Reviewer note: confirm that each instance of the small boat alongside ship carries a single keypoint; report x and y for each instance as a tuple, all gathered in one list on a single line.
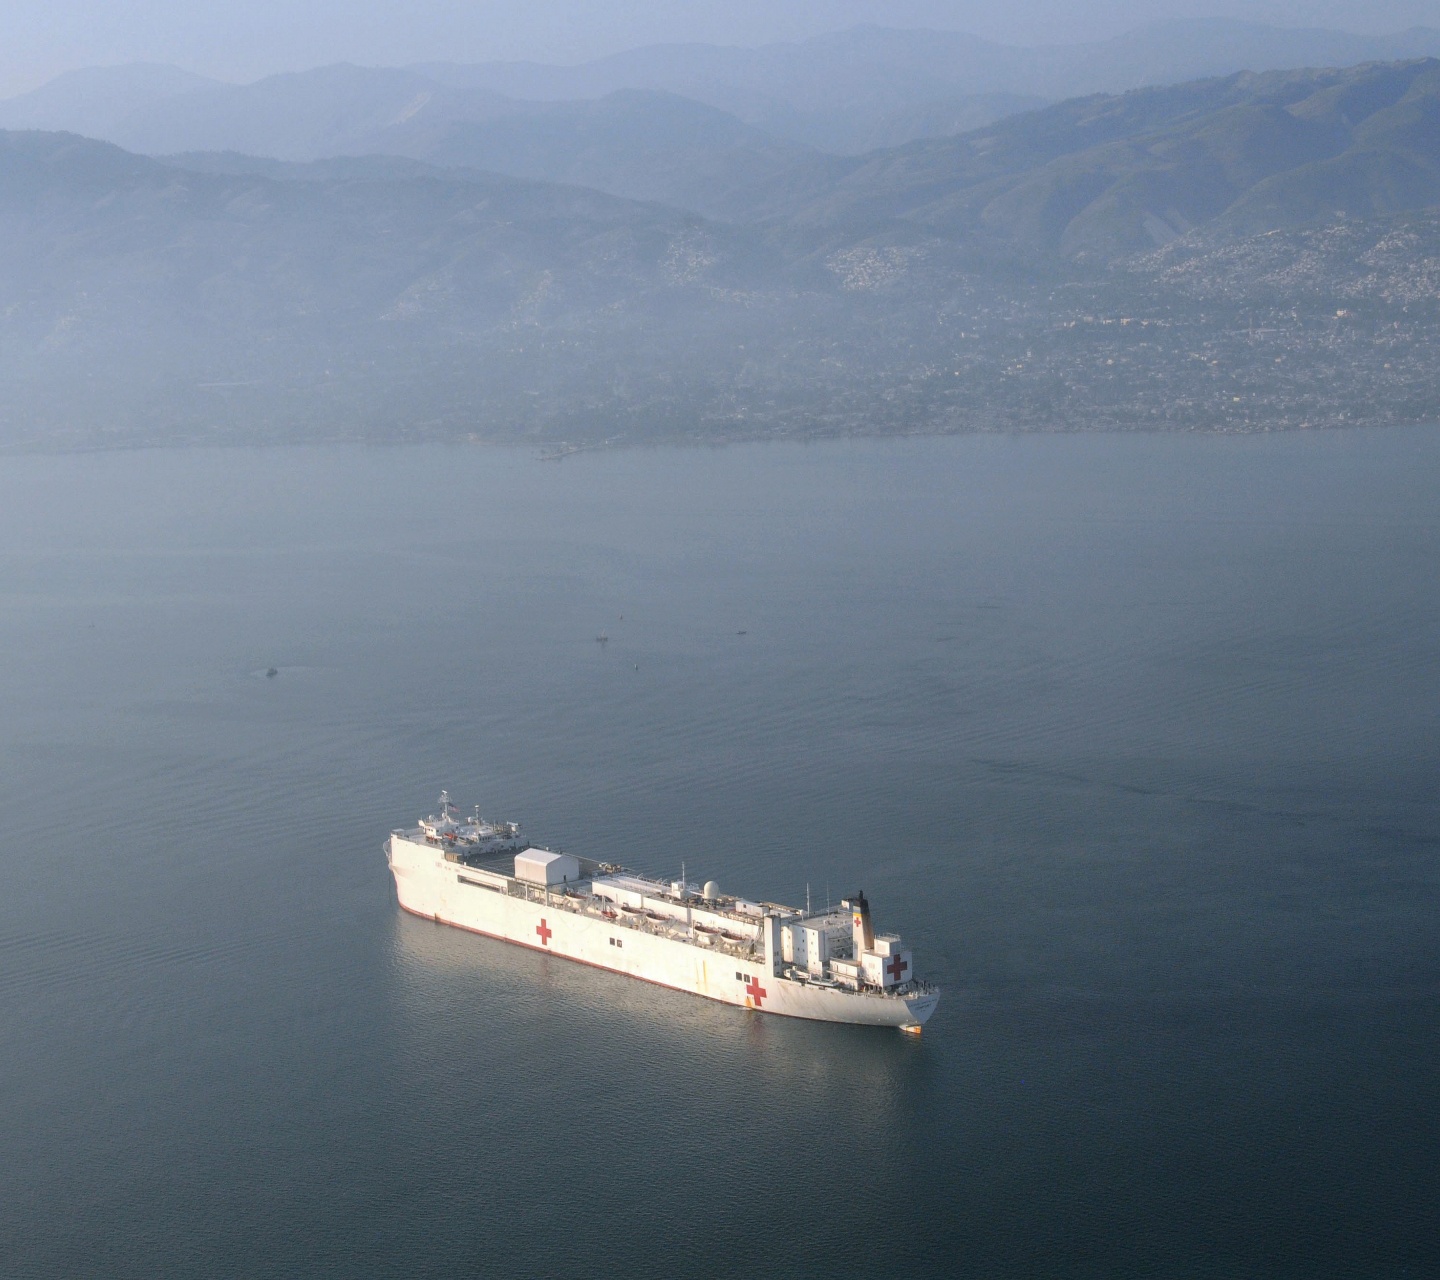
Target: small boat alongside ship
[(826, 965)]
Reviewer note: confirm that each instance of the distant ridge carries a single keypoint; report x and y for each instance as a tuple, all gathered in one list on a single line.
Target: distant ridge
[(640, 144), (1236, 253), (95, 101), (847, 92), (836, 91), (1106, 175), (335, 110)]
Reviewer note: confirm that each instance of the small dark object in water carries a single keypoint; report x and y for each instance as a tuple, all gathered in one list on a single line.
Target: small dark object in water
[(742, 633), (272, 673)]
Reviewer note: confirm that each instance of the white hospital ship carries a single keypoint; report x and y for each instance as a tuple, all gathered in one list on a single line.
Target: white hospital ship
[(829, 965)]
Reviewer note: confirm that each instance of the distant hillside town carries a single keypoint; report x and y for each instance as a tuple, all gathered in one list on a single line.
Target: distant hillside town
[(792, 242)]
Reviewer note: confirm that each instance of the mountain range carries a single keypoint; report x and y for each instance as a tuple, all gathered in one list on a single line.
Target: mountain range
[(1108, 175), (840, 92), (846, 93), (138, 293), (1098, 175), (727, 282)]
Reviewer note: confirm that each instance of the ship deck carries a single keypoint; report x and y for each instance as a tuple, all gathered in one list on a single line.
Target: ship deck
[(578, 896)]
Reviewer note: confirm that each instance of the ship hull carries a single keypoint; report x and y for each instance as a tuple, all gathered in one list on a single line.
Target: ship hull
[(428, 885)]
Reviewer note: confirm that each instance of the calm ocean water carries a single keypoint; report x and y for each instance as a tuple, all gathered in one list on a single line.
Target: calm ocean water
[(1135, 739)]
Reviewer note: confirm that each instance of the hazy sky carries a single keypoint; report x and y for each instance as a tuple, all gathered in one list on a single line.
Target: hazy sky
[(245, 39)]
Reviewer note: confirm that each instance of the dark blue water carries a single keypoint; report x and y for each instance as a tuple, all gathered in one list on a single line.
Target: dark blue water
[(1135, 740)]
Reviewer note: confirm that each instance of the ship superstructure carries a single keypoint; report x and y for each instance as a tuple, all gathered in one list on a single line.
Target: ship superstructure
[(829, 965)]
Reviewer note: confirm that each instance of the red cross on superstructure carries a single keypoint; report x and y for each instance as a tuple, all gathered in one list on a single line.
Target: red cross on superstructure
[(544, 930), (897, 966), (755, 991)]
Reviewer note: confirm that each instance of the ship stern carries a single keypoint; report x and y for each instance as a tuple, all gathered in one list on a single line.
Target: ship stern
[(919, 1007)]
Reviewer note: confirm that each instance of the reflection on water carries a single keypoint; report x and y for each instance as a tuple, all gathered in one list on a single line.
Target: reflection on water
[(1132, 739), (453, 990)]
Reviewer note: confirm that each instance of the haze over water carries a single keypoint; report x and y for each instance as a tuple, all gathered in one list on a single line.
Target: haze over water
[(1132, 737)]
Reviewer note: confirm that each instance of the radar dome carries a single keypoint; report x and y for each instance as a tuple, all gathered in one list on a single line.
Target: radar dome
[(712, 890)]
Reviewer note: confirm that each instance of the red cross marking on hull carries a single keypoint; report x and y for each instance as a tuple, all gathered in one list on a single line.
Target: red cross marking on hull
[(544, 930), (897, 966), (755, 991)]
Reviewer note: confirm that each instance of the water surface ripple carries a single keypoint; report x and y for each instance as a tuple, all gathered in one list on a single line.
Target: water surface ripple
[(1134, 738)]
